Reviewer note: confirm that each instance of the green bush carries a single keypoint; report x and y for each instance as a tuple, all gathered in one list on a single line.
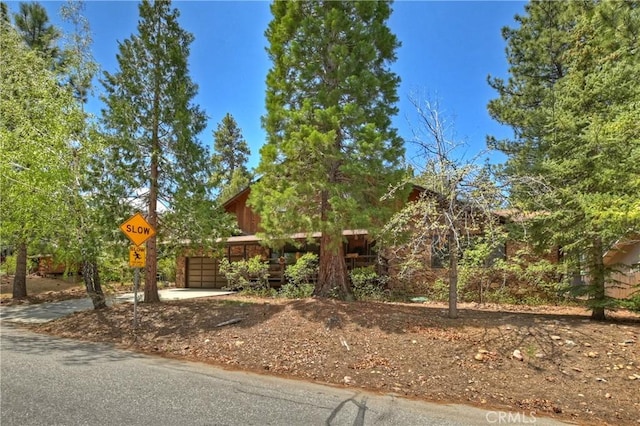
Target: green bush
[(632, 303), (9, 266), (304, 271), (367, 284), (440, 291), (250, 275), (524, 278), (296, 291), (114, 268), (167, 269), (300, 277)]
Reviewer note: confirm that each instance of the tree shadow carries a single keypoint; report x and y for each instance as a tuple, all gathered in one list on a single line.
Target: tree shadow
[(70, 352)]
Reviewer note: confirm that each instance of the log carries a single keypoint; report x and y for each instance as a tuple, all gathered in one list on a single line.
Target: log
[(231, 321)]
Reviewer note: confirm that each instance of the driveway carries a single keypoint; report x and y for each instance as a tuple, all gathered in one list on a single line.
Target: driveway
[(45, 312)]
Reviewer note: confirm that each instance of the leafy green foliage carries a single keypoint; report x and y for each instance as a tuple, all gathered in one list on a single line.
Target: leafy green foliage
[(331, 151), (296, 291), (633, 303), (9, 265), (525, 278), (248, 275), (32, 22), (167, 268), (39, 120), (304, 271), (367, 284), (300, 277)]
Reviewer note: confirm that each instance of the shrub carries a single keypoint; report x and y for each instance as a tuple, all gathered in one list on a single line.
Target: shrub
[(10, 265), (114, 268), (250, 275), (167, 269), (304, 271), (367, 284), (296, 291), (632, 303), (523, 278), (440, 291)]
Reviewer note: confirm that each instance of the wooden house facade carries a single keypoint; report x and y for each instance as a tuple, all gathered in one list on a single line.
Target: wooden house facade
[(201, 270)]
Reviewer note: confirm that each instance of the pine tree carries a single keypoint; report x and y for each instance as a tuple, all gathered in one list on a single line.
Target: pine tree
[(331, 151), (32, 22), (231, 153), (152, 120), (573, 104)]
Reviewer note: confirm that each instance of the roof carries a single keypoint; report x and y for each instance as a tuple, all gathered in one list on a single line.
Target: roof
[(298, 236), (621, 246)]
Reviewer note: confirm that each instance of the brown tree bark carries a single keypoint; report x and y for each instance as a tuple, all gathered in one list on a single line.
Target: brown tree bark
[(453, 276), (20, 278), (333, 278), (151, 274), (598, 281), (332, 269), (91, 279), (151, 271)]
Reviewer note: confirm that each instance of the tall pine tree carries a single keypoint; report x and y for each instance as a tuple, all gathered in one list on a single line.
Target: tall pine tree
[(153, 123), (573, 103), (331, 150), (32, 22), (229, 159)]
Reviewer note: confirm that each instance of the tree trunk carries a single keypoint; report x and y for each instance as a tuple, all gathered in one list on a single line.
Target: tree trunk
[(150, 278), (20, 278), (453, 276), (151, 275), (91, 278), (598, 282), (332, 270), (332, 274)]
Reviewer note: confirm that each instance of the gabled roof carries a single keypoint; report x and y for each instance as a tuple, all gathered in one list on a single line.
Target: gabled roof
[(238, 195)]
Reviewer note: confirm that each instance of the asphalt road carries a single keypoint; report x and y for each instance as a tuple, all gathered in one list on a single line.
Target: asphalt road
[(51, 381)]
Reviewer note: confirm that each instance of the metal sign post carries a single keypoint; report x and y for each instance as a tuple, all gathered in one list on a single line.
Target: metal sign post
[(137, 260), (136, 283), (138, 230)]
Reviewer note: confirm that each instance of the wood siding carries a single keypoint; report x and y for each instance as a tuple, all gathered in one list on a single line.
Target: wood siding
[(248, 221)]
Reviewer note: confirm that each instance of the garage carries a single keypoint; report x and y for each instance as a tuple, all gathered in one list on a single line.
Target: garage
[(202, 272)]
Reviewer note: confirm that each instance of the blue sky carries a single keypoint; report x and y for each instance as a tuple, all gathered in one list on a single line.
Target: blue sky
[(448, 49)]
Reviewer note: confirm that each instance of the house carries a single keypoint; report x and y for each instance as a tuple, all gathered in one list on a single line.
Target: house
[(201, 269), (624, 260)]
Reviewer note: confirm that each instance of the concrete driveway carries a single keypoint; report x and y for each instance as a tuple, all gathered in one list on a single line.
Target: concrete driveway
[(45, 312)]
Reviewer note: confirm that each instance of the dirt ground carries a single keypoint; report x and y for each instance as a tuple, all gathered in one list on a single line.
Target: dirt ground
[(41, 289), (549, 361)]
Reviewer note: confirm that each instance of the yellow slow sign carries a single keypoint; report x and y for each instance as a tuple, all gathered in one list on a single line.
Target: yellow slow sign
[(137, 229)]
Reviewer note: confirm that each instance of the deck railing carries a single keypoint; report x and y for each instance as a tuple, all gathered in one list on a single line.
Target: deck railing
[(276, 269)]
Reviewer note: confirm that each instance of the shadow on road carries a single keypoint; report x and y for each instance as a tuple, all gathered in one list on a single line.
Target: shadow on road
[(71, 352)]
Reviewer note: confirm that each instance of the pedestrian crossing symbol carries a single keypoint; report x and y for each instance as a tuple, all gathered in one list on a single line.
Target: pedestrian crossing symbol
[(137, 256)]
